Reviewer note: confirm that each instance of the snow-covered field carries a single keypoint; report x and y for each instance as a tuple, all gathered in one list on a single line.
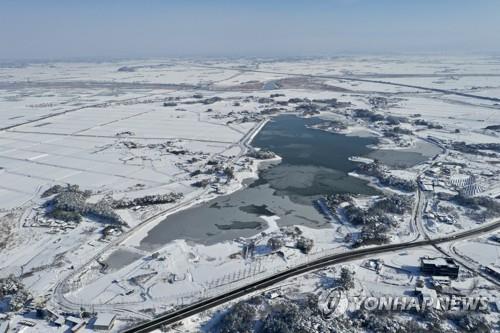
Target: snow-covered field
[(132, 129)]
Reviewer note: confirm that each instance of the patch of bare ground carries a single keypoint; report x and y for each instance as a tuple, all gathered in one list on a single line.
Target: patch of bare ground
[(7, 223)]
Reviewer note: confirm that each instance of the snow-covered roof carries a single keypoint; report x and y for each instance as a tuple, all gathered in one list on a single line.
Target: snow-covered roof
[(4, 326), (438, 261), (493, 269), (440, 278), (74, 320), (104, 319)]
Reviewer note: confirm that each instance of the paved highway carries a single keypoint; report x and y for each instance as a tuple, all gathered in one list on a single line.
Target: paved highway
[(356, 79), (206, 304)]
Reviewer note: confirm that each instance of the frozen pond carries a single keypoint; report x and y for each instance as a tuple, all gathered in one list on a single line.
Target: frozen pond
[(121, 258), (406, 158), (314, 163)]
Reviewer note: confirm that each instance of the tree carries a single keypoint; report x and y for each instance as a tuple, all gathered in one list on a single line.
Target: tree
[(238, 319), (346, 279), (304, 244), (229, 172), (275, 243)]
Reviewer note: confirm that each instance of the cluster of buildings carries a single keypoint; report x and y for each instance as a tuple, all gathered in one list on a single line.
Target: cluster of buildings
[(67, 322), (445, 177), (441, 217), (101, 322), (451, 178), (54, 225), (442, 270)]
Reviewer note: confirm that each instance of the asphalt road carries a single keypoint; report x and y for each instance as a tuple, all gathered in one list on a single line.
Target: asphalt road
[(360, 79), (175, 316)]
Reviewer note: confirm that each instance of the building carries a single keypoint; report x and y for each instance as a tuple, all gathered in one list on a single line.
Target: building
[(58, 321), (426, 185), (74, 323), (438, 281), (493, 271), (4, 326), (104, 321), (495, 238), (439, 267)]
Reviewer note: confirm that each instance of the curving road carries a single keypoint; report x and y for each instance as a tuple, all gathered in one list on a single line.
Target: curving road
[(209, 303), (61, 286)]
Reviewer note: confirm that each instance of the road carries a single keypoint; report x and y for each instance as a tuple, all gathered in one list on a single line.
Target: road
[(55, 114), (422, 231), (195, 308), (421, 196), (357, 79), (61, 286)]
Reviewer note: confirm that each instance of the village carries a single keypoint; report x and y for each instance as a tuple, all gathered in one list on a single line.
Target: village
[(83, 191)]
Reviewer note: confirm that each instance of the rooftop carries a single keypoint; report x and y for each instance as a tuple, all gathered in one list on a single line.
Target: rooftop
[(104, 319), (440, 261), (493, 269)]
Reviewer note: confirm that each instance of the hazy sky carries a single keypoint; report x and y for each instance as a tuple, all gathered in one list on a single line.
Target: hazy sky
[(148, 28)]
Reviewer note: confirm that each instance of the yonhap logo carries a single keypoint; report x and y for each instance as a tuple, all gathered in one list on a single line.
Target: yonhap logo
[(336, 302), (333, 303)]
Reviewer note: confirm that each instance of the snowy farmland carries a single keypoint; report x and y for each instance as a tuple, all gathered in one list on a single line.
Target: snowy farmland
[(143, 140)]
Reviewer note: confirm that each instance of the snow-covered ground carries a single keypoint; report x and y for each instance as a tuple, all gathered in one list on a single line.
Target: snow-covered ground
[(130, 129)]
